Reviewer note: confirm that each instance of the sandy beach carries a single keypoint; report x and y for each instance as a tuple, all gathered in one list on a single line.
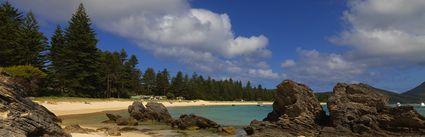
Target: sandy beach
[(73, 108)]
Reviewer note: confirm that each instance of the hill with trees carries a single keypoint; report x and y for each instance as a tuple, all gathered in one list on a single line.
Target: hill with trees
[(418, 91)]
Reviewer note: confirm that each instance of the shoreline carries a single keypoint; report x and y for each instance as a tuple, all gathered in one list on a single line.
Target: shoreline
[(75, 108), (69, 110)]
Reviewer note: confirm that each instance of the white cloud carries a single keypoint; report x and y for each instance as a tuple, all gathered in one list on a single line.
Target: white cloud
[(288, 63), (313, 66), (391, 31), (198, 38), (264, 73), (382, 36)]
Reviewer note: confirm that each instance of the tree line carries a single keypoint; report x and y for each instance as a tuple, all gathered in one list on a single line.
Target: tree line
[(75, 67)]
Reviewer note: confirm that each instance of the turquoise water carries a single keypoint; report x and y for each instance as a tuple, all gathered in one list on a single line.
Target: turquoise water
[(239, 115), (225, 115)]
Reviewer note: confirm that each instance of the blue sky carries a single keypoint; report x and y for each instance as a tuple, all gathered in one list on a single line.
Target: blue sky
[(319, 43)]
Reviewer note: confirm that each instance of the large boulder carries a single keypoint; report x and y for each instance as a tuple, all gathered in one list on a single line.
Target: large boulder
[(296, 111), (20, 117), (361, 110), (152, 111), (355, 110), (193, 122)]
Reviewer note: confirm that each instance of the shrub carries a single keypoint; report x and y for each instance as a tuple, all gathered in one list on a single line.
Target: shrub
[(28, 77)]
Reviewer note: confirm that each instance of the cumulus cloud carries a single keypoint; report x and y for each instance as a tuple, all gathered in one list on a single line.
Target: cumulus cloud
[(288, 63), (391, 31), (382, 36), (198, 38), (313, 66), (264, 73)]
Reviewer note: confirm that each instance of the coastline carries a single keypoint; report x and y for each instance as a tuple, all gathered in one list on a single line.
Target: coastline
[(64, 109), (73, 108)]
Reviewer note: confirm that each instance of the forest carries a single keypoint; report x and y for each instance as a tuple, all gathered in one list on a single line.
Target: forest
[(70, 64)]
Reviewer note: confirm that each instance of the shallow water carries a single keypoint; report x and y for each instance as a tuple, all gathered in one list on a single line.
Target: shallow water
[(237, 116)]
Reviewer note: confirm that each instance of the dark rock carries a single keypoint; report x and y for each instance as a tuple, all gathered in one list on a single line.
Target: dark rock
[(113, 117), (193, 121), (20, 117), (157, 111), (137, 110), (296, 112), (127, 121), (77, 129), (359, 109), (152, 111), (356, 110)]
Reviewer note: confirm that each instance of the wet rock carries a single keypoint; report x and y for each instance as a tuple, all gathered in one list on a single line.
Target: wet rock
[(296, 112), (113, 117), (152, 111), (193, 121), (136, 110), (127, 121), (20, 117), (77, 129)]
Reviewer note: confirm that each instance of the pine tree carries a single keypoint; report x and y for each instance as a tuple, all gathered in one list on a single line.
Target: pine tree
[(134, 79), (10, 21), (149, 81), (33, 43), (177, 84), (82, 56), (56, 55), (162, 82)]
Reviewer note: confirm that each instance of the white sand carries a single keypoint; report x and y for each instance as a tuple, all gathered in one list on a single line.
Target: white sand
[(70, 108)]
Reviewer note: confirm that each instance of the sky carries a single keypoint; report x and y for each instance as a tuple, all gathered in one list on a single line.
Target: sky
[(319, 43)]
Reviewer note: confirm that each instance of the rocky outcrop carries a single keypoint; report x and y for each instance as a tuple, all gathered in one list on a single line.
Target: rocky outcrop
[(296, 111), (152, 111), (360, 110), (20, 117), (193, 122), (355, 110), (119, 120), (127, 121)]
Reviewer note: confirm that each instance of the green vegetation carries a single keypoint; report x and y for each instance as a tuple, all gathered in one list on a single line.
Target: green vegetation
[(28, 76), (71, 65)]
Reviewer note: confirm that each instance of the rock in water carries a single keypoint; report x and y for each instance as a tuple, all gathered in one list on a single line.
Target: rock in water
[(20, 117), (127, 121), (361, 110), (113, 117), (296, 111), (137, 110), (193, 121), (356, 110), (152, 111), (157, 111), (356, 107)]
